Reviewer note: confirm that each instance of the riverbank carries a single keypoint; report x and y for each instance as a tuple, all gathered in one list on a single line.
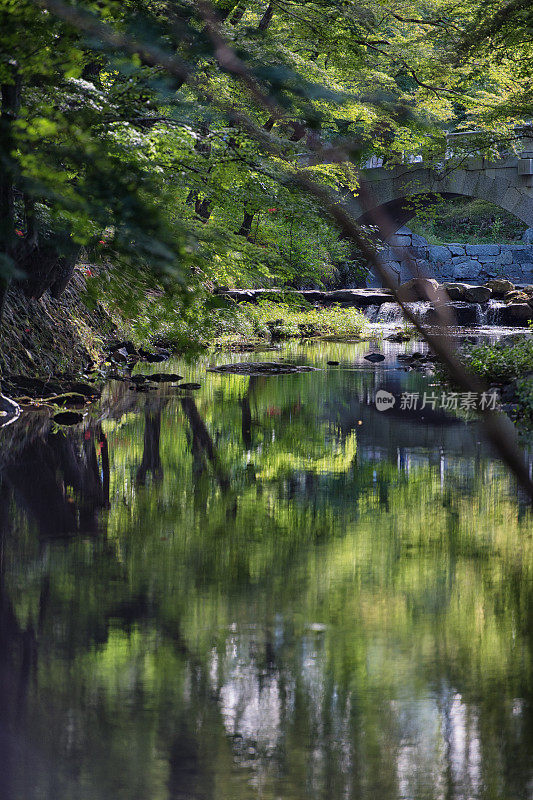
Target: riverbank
[(509, 368), (65, 339), (47, 336), (497, 302)]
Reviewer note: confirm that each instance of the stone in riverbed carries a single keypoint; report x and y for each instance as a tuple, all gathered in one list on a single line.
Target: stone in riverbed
[(128, 346), (164, 377), (499, 286), (464, 313), (465, 291), (374, 358), (477, 294), (84, 389), (455, 291), (68, 418), (357, 298), (418, 289), (366, 297), (516, 296), (120, 355), (517, 312), (313, 295), (154, 358), (8, 408), (261, 368)]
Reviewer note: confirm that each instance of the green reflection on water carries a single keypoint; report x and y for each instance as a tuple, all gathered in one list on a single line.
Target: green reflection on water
[(282, 593)]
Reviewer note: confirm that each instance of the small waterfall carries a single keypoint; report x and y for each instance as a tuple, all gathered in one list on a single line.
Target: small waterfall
[(489, 313), (419, 309), (493, 312), (391, 313), (371, 313)]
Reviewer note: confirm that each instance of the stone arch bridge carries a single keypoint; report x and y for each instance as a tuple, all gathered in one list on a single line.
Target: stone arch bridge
[(399, 191), (507, 183)]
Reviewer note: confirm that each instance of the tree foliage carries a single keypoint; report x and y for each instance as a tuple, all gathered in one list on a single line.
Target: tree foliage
[(160, 137)]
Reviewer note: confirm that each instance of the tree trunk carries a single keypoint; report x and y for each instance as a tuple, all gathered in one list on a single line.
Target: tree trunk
[(202, 208), (298, 131), (246, 227), (266, 19), (238, 13), (9, 107)]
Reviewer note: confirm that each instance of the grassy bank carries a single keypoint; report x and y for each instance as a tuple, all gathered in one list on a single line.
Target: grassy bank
[(45, 336), (268, 321)]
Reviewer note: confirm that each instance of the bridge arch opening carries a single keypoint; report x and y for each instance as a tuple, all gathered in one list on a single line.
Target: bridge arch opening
[(454, 237)]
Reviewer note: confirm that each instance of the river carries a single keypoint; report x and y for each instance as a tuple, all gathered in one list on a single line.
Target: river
[(264, 588)]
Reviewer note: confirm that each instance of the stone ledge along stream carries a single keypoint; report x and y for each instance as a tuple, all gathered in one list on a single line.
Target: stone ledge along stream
[(379, 306)]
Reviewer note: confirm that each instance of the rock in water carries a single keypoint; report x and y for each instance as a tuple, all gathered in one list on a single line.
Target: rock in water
[(120, 355), (9, 410), (333, 363), (516, 296), (190, 386), (417, 289), (68, 418), (375, 357), (154, 358), (517, 312), (261, 368), (456, 291), (164, 377), (399, 336), (499, 286), (84, 389), (477, 294)]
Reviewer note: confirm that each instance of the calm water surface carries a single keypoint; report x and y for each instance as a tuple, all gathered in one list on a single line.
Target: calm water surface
[(267, 589)]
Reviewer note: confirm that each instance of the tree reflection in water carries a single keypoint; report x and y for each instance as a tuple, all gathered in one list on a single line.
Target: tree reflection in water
[(248, 594)]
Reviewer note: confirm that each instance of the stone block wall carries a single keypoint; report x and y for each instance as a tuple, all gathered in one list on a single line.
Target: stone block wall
[(470, 263)]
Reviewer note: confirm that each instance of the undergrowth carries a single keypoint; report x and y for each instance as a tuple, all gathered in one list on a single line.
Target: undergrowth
[(501, 363), (269, 321), (509, 365)]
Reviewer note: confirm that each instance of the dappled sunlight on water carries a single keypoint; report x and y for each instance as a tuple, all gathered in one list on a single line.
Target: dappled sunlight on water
[(264, 589)]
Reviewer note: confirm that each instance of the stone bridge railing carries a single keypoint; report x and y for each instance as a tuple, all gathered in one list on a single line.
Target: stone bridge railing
[(467, 145)]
